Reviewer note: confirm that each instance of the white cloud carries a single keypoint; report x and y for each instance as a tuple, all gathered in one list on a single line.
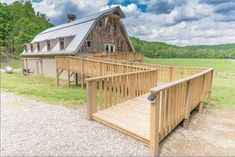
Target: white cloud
[(189, 24), (58, 10), (186, 22)]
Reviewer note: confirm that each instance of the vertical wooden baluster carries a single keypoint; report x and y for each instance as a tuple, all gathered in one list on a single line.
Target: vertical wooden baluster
[(110, 91), (105, 93), (101, 94)]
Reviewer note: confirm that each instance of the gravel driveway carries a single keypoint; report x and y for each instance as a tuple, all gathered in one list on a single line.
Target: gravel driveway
[(31, 128), (34, 128)]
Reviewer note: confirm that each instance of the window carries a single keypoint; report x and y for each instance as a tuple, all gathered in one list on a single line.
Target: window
[(109, 47), (31, 47), (100, 23), (25, 48), (106, 48), (62, 44), (48, 45), (108, 28), (88, 43), (38, 47)]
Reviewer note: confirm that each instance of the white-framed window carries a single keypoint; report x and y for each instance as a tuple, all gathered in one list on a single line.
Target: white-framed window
[(38, 47), (48, 45), (61, 40), (31, 47), (109, 47)]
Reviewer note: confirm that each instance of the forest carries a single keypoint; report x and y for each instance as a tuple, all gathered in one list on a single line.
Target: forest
[(163, 50), (19, 24)]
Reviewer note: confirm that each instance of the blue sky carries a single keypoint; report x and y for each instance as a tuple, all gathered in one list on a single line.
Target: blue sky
[(180, 22)]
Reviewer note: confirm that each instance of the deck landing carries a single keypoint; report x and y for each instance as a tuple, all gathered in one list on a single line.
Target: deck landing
[(131, 117)]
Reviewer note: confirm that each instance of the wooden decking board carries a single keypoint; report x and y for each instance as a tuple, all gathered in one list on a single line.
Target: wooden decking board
[(128, 111), (134, 120), (123, 125), (131, 117), (145, 141), (133, 108)]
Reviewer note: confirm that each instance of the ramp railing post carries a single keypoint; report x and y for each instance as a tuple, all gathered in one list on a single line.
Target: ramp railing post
[(91, 98), (209, 94), (202, 94), (187, 104), (154, 123)]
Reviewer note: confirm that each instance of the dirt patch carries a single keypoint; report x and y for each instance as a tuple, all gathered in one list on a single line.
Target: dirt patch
[(211, 133)]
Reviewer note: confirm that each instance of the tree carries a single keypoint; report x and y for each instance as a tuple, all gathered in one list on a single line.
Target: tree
[(18, 25)]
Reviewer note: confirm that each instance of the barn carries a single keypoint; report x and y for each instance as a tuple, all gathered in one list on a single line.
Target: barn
[(102, 32)]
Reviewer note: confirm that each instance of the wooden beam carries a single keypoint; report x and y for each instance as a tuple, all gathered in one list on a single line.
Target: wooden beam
[(57, 77), (209, 94), (91, 99), (154, 125), (202, 94), (188, 104), (76, 79), (58, 73), (69, 78)]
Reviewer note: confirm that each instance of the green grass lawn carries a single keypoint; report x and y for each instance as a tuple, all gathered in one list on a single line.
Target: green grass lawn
[(220, 65), (42, 88), (223, 92), (15, 63)]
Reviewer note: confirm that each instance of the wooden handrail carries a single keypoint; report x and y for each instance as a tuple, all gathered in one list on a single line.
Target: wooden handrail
[(107, 91), (115, 75), (133, 56), (174, 102), (173, 83)]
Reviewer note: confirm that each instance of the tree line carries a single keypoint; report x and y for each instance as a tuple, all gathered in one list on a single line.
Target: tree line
[(163, 50)]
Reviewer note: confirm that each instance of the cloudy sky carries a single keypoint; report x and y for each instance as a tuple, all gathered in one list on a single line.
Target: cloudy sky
[(180, 22)]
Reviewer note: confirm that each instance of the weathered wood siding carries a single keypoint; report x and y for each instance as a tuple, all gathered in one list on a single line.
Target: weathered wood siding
[(100, 36)]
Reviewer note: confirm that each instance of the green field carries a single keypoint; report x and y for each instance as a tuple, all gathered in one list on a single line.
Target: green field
[(223, 92), (220, 65), (42, 88)]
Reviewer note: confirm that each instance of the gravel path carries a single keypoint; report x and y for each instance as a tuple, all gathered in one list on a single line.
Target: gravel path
[(31, 128), (34, 128)]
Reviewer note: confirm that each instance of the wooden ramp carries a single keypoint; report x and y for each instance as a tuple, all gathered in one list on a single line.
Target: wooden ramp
[(131, 117)]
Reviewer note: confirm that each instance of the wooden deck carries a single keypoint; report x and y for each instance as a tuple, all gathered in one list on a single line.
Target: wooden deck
[(131, 117), (117, 94)]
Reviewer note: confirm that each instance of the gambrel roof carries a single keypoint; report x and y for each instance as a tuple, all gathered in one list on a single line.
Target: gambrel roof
[(78, 29)]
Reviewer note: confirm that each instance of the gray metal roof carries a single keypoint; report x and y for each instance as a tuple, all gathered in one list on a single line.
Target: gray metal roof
[(80, 29)]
